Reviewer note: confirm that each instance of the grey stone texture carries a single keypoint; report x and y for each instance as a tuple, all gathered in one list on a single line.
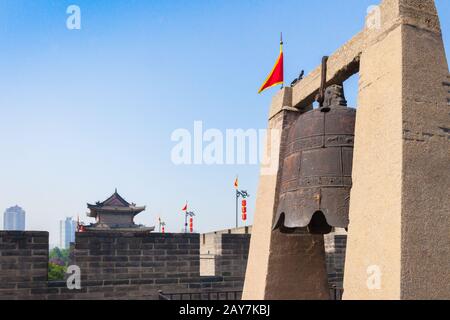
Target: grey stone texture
[(117, 265)]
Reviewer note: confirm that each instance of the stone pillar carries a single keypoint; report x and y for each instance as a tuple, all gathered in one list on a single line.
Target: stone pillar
[(400, 204), (281, 266)]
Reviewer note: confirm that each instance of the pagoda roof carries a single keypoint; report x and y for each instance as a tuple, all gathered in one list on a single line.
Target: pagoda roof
[(115, 203)]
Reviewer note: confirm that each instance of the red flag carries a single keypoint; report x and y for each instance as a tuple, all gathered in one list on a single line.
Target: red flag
[(236, 183), (276, 76), (185, 207)]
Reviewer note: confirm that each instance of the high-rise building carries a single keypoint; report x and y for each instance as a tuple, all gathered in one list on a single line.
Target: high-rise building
[(67, 230), (61, 234), (14, 219)]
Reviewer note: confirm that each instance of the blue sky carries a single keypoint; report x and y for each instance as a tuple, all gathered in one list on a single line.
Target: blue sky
[(86, 111)]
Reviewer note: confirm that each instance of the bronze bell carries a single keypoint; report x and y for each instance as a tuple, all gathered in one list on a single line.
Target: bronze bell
[(317, 168)]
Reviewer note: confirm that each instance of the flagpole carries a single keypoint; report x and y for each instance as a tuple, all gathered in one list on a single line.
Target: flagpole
[(185, 216), (281, 48), (239, 193), (236, 186), (237, 209)]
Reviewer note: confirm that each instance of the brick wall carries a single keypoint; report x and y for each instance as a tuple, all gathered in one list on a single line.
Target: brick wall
[(208, 250), (130, 261), (231, 261), (23, 263), (137, 265), (211, 248), (120, 266), (335, 245)]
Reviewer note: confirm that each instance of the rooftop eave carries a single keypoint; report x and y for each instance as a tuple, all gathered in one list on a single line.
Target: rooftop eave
[(134, 210)]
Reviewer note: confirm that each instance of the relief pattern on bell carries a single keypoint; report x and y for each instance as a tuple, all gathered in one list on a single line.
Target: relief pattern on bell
[(317, 168)]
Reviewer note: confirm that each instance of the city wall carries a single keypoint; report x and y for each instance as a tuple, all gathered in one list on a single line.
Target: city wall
[(138, 265), (120, 265)]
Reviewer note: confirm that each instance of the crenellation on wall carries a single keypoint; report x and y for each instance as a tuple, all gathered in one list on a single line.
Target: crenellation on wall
[(232, 262), (118, 265), (211, 246), (128, 266), (23, 260)]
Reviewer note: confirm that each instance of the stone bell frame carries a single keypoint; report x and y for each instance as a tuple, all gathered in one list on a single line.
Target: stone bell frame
[(398, 239)]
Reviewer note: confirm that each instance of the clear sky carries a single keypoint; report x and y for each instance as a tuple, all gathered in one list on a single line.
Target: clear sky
[(86, 111)]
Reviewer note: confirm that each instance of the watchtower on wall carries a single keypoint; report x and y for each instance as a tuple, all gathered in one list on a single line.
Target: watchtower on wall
[(115, 214)]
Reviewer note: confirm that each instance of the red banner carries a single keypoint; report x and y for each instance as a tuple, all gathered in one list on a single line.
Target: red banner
[(276, 76)]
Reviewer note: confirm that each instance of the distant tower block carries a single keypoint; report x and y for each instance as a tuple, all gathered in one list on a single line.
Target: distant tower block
[(14, 219), (399, 242)]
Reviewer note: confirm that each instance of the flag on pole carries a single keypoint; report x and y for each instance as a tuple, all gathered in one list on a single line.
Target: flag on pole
[(236, 183), (276, 76), (185, 207)]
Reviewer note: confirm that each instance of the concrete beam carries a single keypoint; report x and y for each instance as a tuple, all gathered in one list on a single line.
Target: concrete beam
[(341, 65)]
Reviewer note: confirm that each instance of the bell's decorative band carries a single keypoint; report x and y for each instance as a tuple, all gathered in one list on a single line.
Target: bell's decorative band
[(317, 168)]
